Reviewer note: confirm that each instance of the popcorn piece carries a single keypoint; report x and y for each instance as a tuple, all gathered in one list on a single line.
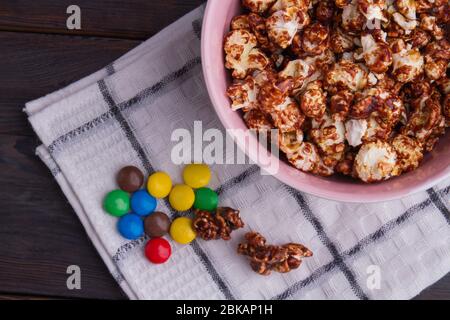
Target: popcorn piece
[(426, 116), (340, 42), (446, 109), (437, 58), (373, 9), (435, 69), (355, 130), (329, 134), (302, 5), (305, 158), (375, 161), (436, 133), (407, 62), (315, 39), (407, 8), (298, 71), (419, 38), (244, 94), (257, 120), (287, 115), (274, 93), (258, 26), (282, 25), (241, 54), (342, 3), (345, 75), (426, 5), (258, 6), (346, 165), (406, 15), (352, 18), (409, 153), (385, 104), (428, 23), (313, 101), (377, 54), (290, 141), (325, 11), (340, 103), (240, 22)]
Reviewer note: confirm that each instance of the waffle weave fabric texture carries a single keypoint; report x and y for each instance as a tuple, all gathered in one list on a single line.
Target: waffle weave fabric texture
[(125, 113)]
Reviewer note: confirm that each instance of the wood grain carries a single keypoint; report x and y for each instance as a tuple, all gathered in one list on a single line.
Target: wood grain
[(33, 65), (40, 234), (131, 19)]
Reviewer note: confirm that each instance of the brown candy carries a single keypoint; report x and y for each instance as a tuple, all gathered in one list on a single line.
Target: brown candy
[(157, 224), (130, 179)]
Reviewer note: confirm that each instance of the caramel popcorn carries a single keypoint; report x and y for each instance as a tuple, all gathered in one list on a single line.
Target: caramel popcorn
[(345, 75), (409, 153), (313, 101), (290, 141), (258, 6), (377, 54), (284, 24), (258, 120), (407, 63), (219, 225), (375, 161), (266, 258), (242, 54), (244, 94), (354, 87)]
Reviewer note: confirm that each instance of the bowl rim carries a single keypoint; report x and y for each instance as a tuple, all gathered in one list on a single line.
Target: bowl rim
[(284, 178)]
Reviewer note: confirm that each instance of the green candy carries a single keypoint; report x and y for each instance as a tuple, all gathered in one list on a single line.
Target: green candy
[(117, 203), (206, 199)]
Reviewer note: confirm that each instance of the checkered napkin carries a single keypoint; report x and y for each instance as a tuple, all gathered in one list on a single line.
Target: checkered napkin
[(125, 114)]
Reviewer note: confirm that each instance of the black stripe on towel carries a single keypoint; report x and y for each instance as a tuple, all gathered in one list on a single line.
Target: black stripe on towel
[(361, 245), (146, 163), (338, 259), (439, 204), (145, 94)]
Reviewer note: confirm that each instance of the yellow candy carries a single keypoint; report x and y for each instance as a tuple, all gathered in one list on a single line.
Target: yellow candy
[(181, 230), (159, 185), (196, 175), (181, 197)]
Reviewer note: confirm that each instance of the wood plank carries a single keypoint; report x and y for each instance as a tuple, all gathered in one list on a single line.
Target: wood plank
[(438, 291), (33, 65), (132, 19), (40, 234)]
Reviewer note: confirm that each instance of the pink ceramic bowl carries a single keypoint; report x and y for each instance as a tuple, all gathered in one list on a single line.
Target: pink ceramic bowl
[(434, 168)]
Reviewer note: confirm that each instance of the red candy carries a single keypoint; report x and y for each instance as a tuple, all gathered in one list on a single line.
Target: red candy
[(158, 250)]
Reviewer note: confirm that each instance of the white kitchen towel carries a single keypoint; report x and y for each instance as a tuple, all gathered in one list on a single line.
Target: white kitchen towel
[(125, 115)]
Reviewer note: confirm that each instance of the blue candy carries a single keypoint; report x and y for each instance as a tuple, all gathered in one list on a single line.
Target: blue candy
[(131, 226), (143, 203)]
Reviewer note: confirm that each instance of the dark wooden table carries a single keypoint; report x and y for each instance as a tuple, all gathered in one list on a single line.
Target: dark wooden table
[(40, 235)]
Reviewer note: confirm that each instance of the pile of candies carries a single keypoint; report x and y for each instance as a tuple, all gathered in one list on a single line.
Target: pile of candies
[(135, 207)]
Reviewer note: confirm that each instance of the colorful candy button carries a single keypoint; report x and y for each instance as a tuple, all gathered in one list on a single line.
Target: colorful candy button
[(196, 175), (182, 231), (159, 185), (130, 179), (206, 199), (157, 224), (143, 203), (117, 203), (158, 250), (181, 197), (131, 226)]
